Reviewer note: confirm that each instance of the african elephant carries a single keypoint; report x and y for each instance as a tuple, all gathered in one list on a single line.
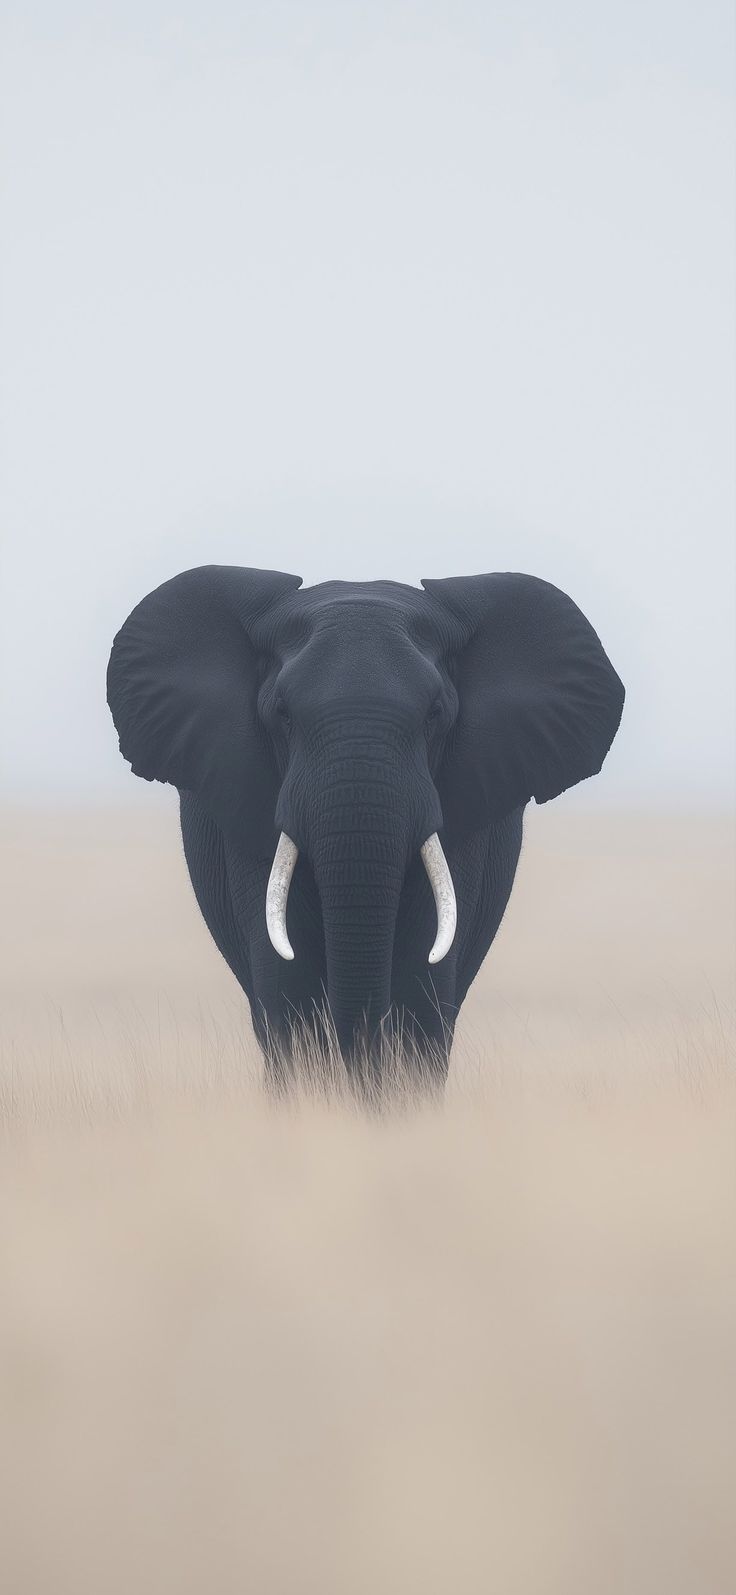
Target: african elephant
[(353, 761)]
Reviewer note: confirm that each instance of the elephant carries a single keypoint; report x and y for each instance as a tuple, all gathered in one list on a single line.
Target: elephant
[(353, 761)]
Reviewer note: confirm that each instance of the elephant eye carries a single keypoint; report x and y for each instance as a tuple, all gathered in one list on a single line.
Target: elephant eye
[(435, 711), (282, 711)]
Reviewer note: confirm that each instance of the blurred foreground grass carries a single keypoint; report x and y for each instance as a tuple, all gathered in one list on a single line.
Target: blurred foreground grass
[(487, 1345)]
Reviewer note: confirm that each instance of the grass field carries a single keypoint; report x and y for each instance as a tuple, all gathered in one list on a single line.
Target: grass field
[(480, 1347)]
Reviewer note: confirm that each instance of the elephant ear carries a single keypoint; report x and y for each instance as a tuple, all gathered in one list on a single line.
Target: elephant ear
[(182, 685), (539, 701)]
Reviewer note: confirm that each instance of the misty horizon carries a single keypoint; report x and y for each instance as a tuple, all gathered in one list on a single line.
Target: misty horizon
[(383, 294)]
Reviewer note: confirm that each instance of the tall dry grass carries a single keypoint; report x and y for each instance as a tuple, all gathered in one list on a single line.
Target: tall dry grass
[(479, 1345)]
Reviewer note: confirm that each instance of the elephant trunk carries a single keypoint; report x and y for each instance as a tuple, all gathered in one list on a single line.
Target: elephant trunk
[(359, 937), (375, 805), (360, 871)]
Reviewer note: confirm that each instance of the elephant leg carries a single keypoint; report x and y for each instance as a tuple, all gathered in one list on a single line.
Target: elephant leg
[(289, 997), (423, 1020), (491, 862), (423, 999), (228, 899), (204, 851)]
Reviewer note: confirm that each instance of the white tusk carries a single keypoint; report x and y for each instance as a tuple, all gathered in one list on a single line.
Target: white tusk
[(443, 891), (277, 895)]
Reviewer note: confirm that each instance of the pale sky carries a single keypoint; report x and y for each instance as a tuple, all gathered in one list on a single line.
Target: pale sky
[(369, 290)]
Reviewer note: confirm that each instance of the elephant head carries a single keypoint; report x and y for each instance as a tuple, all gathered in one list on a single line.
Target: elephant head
[(352, 726)]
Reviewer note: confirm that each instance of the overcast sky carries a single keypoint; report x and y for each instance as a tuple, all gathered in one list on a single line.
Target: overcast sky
[(369, 290)]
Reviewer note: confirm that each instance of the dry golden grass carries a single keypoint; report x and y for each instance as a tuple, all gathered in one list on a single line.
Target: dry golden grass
[(480, 1346)]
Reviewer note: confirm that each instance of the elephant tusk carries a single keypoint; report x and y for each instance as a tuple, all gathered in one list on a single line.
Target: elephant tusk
[(443, 891), (277, 895)]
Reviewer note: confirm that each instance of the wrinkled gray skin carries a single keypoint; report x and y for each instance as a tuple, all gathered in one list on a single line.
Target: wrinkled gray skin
[(359, 719)]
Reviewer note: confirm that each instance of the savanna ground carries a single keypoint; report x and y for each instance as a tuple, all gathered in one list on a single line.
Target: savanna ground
[(486, 1346)]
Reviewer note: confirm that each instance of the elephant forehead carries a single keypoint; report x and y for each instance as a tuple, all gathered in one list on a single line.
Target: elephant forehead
[(366, 616), (397, 594), (358, 650), (376, 611)]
